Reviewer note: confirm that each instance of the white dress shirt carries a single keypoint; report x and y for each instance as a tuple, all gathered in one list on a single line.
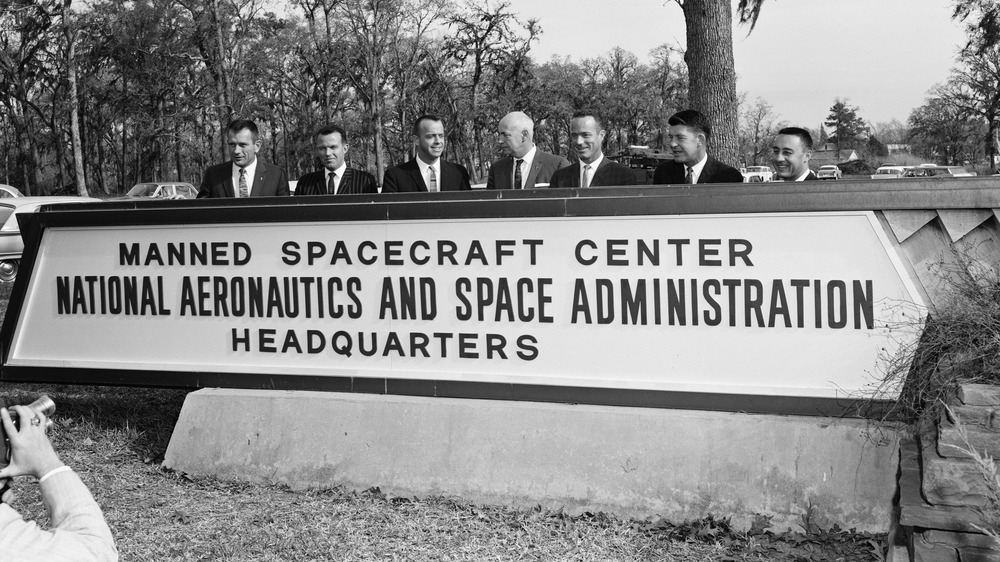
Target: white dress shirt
[(251, 170), (525, 165), (588, 176), (697, 168), (337, 178), (426, 174)]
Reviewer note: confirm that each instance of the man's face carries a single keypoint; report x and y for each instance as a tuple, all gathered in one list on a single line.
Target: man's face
[(331, 150), (430, 140), (516, 141), (587, 138), (789, 157), (242, 147), (686, 144)]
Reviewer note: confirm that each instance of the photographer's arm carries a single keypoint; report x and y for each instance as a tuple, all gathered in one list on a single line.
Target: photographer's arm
[(79, 531)]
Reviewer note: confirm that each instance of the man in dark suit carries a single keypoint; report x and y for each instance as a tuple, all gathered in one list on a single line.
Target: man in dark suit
[(791, 153), (591, 169), (335, 178), (526, 166), (688, 136), (428, 171), (245, 175)]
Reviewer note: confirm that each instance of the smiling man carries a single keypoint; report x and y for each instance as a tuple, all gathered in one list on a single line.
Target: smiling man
[(428, 171), (244, 175), (688, 139), (790, 154), (336, 178), (591, 169)]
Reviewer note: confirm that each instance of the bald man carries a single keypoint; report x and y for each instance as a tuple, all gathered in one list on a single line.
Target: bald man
[(526, 166)]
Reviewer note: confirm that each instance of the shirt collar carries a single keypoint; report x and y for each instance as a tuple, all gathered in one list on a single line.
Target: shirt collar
[(251, 172), (528, 157), (593, 165), (804, 175), (697, 168), (339, 171)]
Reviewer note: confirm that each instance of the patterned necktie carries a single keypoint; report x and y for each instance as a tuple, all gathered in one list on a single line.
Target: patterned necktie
[(689, 177), (244, 190), (585, 181), (331, 185), (517, 174), (433, 185)]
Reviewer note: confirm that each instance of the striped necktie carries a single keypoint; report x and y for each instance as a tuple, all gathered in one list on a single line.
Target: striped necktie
[(433, 184)]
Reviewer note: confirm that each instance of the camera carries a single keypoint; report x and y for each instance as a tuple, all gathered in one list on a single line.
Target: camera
[(44, 404)]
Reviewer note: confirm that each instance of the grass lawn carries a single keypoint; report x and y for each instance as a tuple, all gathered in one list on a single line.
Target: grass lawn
[(115, 437)]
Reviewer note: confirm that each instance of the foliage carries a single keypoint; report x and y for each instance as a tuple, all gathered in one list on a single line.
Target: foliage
[(758, 126), (940, 134), (848, 129), (960, 342), (159, 80)]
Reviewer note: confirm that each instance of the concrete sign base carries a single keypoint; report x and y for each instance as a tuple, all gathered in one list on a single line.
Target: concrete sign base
[(680, 464)]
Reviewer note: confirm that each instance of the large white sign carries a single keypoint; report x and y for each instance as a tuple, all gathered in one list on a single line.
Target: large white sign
[(792, 304)]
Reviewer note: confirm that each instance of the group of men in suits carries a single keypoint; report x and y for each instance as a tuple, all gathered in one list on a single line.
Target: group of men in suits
[(525, 166)]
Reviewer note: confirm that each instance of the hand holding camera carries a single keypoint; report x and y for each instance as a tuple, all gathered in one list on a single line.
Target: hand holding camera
[(25, 446)]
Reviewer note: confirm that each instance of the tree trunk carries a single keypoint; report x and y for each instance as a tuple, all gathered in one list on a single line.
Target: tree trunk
[(74, 100), (712, 72)]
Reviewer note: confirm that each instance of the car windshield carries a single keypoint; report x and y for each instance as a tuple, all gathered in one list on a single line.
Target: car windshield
[(142, 190)]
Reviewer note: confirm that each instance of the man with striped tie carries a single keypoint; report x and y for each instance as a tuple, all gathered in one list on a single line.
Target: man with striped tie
[(336, 178), (428, 171), (244, 175), (688, 139)]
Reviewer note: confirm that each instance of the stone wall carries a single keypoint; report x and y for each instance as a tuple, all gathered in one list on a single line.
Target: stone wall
[(943, 494)]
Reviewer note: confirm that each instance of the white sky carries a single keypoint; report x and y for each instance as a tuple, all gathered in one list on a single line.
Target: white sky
[(882, 55)]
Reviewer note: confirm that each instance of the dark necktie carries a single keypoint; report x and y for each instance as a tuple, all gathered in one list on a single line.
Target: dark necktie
[(517, 174), (244, 190), (331, 185), (689, 177), (433, 186)]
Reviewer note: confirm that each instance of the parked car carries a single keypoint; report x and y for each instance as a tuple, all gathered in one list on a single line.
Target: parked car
[(931, 171), (829, 172), (163, 190), (11, 244), (889, 172), (9, 191), (753, 174)]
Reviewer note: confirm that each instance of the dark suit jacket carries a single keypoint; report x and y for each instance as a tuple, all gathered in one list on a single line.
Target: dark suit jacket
[(501, 174), (811, 176), (270, 181), (713, 172), (353, 182), (608, 174), (406, 178)]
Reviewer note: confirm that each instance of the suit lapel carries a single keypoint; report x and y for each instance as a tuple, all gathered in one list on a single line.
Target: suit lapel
[(258, 180), (536, 166), (227, 182), (416, 177), (345, 183), (599, 173)]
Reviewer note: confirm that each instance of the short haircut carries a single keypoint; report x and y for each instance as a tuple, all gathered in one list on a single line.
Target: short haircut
[(807, 139), (587, 113), (425, 117), (238, 125), (329, 130), (693, 120)]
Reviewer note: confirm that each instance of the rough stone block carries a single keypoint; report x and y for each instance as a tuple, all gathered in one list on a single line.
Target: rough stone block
[(924, 551), (978, 555), (984, 416), (979, 394), (914, 509), (954, 482), (982, 440), (961, 540)]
